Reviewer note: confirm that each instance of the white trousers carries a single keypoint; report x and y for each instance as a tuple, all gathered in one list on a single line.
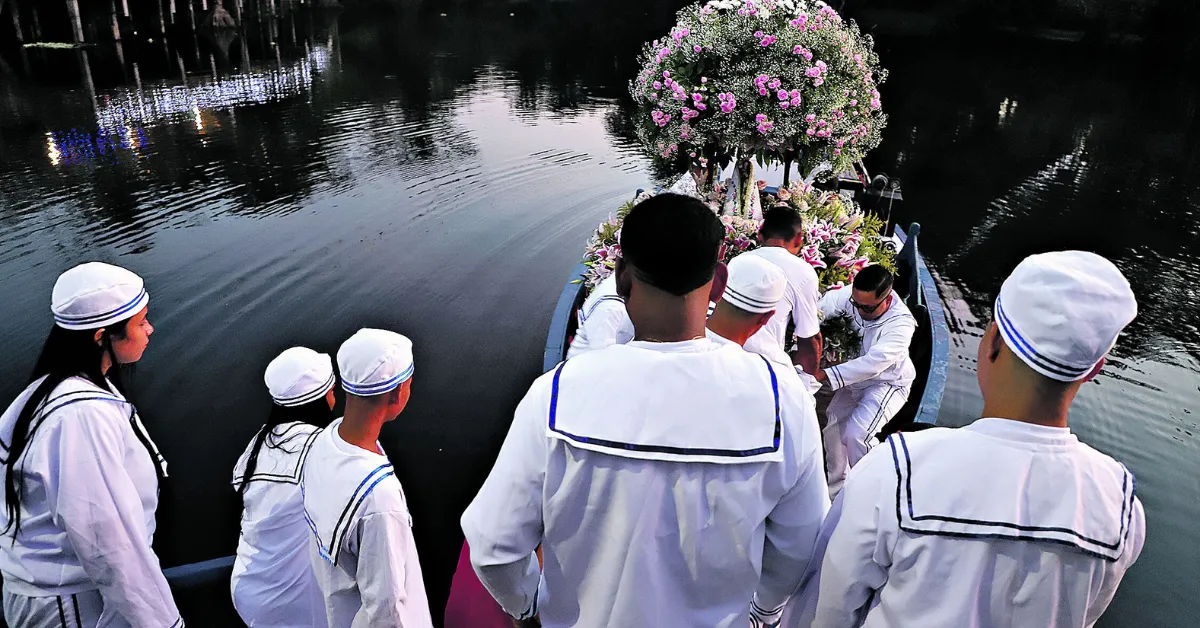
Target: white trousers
[(81, 610), (855, 415)]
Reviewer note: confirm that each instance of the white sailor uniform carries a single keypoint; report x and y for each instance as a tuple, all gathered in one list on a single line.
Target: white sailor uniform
[(871, 388), (90, 476), (998, 524), (695, 488), (273, 583), (362, 546), (603, 320), (800, 298)]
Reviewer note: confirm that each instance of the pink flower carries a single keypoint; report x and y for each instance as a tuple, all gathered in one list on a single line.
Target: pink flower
[(774, 84), (696, 49), (703, 80), (810, 118), (762, 185), (762, 91), (701, 106), (767, 41), (783, 94), (757, 34), (812, 72), (760, 118), (666, 74), (784, 104), (810, 132), (657, 85), (798, 50)]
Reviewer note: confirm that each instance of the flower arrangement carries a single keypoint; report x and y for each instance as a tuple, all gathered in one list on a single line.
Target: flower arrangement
[(841, 341), (774, 80), (840, 239)]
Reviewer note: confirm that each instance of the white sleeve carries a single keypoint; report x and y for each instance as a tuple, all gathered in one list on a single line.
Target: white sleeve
[(832, 303), (382, 550), (805, 309), (503, 525), (1115, 571), (890, 348), (96, 503), (609, 324), (793, 525), (861, 538)]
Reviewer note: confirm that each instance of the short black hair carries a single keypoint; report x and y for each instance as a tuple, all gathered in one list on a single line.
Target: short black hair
[(672, 242), (875, 279), (783, 222)]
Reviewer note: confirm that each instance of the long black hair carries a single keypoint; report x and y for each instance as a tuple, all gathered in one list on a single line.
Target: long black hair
[(67, 353), (316, 412)]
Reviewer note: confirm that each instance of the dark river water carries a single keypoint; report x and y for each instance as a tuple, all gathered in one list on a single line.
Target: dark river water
[(438, 176)]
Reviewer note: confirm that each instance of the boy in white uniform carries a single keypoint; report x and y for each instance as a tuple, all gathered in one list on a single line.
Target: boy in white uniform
[(671, 481), (362, 549), (1010, 521)]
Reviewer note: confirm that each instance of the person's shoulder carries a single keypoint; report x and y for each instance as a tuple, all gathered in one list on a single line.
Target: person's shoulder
[(76, 398), (385, 496)]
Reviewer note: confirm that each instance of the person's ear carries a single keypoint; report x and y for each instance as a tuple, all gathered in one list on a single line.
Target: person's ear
[(764, 318), (1095, 369), (995, 342), (720, 280), (623, 273), (98, 337)]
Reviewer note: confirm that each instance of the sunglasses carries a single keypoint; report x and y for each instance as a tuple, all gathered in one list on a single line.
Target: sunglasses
[(866, 309)]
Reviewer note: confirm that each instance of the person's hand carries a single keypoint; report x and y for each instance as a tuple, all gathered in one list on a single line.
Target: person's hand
[(820, 375)]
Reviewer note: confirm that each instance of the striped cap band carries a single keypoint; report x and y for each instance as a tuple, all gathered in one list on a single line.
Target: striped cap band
[(1029, 354), (103, 319), (306, 397), (378, 388), (747, 303)]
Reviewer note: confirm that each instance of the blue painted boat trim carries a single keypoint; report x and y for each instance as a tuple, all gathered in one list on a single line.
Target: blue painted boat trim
[(556, 337), (939, 358), (198, 574)]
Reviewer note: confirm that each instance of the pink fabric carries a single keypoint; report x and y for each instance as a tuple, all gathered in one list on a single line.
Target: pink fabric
[(470, 605)]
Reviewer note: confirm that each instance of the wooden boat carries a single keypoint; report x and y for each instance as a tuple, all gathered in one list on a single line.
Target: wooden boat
[(930, 349)]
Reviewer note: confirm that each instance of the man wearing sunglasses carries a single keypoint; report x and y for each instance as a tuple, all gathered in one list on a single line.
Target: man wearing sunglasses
[(871, 388)]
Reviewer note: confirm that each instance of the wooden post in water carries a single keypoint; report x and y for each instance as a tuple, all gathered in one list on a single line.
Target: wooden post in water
[(204, 5), (37, 25), (76, 23), (15, 9), (191, 10), (125, 8), (162, 23), (116, 26), (171, 11)]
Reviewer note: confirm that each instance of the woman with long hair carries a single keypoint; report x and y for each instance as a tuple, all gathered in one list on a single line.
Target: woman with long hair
[(273, 582), (81, 475)]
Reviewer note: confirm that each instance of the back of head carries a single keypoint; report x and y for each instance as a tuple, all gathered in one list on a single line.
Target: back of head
[(781, 222), (874, 279), (755, 285), (373, 364), (672, 242), (1061, 313)]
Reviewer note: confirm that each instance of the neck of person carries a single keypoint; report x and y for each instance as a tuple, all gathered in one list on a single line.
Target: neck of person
[(362, 423), (723, 325), (779, 242), (1023, 402), (659, 316)]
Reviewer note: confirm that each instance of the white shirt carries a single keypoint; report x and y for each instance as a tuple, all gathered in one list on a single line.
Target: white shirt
[(87, 515), (273, 583), (603, 320), (885, 343), (652, 477), (799, 302), (998, 524), (361, 548)]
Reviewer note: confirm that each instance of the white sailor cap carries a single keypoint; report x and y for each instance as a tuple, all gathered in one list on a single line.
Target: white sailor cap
[(374, 361), (298, 376), (1061, 312), (95, 295), (755, 285)]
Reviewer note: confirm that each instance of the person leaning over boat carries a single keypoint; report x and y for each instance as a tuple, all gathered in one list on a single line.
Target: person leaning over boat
[(873, 387), (81, 475), (1010, 521), (670, 481), (362, 549), (273, 583), (781, 237)]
